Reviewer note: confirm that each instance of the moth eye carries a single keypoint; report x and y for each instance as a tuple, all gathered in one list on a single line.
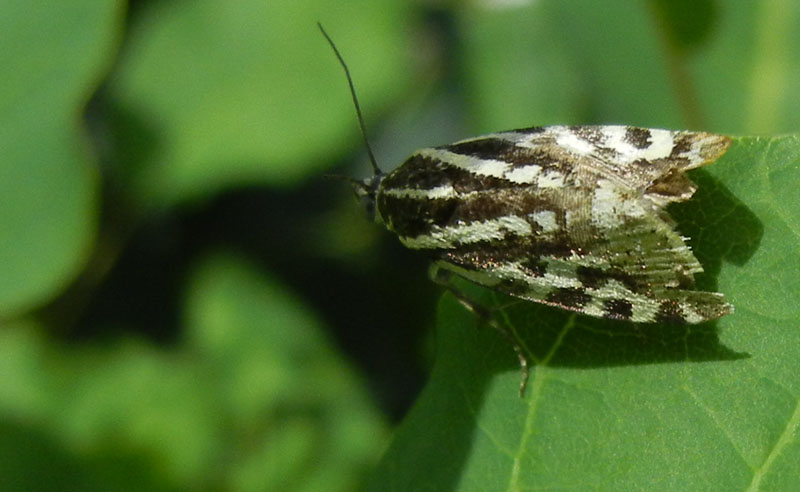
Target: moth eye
[(368, 205)]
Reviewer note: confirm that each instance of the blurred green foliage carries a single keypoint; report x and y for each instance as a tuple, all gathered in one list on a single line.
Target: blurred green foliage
[(170, 261), (252, 399)]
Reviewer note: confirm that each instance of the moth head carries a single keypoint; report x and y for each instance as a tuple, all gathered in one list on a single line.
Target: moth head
[(366, 189), (365, 192)]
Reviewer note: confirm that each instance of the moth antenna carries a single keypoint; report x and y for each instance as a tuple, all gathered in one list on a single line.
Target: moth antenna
[(361, 125), (352, 181)]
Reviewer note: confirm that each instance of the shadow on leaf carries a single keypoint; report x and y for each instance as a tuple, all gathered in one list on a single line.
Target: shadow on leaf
[(720, 227)]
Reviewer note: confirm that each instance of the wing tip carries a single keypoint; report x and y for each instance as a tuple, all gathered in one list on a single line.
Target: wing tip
[(693, 307), (691, 150), (704, 148)]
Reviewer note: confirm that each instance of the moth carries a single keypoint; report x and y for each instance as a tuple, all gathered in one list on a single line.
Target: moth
[(569, 216)]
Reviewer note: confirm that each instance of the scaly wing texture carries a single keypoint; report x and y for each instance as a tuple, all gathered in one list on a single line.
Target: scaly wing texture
[(567, 216)]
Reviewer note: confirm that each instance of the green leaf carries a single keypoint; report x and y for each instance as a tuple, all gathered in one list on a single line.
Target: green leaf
[(253, 398), (53, 56), (618, 406), (218, 94)]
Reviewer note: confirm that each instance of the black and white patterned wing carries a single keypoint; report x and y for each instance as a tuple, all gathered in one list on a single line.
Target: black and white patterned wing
[(568, 216)]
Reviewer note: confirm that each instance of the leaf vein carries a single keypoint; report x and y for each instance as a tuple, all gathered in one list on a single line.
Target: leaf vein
[(716, 421), (786, 437), (536, 391)]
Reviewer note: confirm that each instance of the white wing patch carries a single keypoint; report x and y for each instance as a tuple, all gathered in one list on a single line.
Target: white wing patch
[(546, 219), (572, 142), (482, 167), (661, 144), (524, 174), (452, 236), (610, 209)]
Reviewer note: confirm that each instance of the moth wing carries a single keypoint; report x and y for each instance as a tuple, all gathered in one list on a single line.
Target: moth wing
[(641, 157), (606, 289), (567, 216), (647, 263), (617, 255)]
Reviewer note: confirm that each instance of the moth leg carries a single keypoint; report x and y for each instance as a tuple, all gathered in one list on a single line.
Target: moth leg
[(444, 278)]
